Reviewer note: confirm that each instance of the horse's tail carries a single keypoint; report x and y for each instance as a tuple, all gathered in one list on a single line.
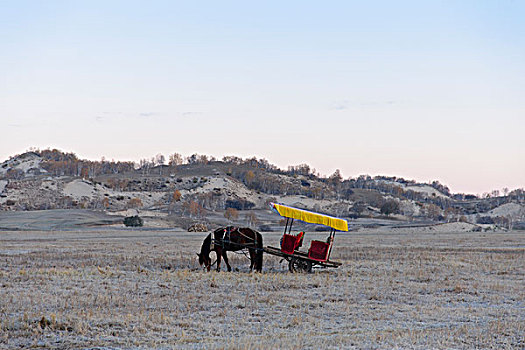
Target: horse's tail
[(259, 253)]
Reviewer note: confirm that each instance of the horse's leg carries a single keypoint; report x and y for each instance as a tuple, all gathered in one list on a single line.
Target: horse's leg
[(219, 253), (225, 256), (252, 258)]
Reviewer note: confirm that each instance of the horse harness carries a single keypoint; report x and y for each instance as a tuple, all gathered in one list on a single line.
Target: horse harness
[(242, 243), (226, 237)]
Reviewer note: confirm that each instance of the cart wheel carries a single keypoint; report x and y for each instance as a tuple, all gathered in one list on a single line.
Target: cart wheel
[(298, 265)]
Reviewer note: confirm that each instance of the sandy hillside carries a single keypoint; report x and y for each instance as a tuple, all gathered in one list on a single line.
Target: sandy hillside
[(79, 189), (24, 163), (230, 187), (429, 190), (304, 202), (82, 188), (508, 209), (421, 188)]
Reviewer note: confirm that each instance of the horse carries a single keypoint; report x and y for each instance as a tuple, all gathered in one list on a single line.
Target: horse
[(232, 239)]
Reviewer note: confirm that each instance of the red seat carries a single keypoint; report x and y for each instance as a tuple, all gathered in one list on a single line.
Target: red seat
[(318, 250), (290, 243)]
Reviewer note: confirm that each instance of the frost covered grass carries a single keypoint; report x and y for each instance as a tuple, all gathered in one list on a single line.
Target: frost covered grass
[(144, 289)]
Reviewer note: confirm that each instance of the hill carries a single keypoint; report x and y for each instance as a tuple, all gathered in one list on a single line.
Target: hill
[(201, 189)]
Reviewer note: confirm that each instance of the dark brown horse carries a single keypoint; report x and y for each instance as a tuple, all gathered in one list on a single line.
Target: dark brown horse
[(232, 239)]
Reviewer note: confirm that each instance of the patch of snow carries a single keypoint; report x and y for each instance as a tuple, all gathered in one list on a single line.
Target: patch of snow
[(127, 212), (3, 184), (429, 190), (456, 227), (304, 202), (140, 212), (489, 227)]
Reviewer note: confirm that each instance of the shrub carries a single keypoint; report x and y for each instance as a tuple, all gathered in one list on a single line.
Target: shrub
[(133, 221), (198, 227), (487, 220), (390, 207), (176, 196), (239, 204), (134, 203), (263, 227)]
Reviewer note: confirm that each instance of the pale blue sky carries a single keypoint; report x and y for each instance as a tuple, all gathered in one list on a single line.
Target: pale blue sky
[(419, 89)]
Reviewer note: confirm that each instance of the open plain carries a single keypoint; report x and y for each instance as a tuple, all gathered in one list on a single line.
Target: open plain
[(117, 288)]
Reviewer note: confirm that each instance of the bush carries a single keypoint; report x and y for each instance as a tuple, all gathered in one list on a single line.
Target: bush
[(264, 228), (134, 203), (390, 207), (347, 194), (485, 220), (239, 204), (519, 226), (133, 221), (198, 227)]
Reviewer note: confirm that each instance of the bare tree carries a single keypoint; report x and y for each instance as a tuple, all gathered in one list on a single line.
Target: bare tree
[(251, 219), (433, 211), (231, 214), (134, 203), (175, 159), (176, 196), (249, 176), (159, 161), (451, 214), (196, 209)]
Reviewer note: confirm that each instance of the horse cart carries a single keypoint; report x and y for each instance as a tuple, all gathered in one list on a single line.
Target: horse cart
[(318, 255)]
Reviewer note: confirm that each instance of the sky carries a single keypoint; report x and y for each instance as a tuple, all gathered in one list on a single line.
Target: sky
[(425, 90)]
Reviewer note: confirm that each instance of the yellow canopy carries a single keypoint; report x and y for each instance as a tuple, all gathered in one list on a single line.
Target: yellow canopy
[(310, 217)]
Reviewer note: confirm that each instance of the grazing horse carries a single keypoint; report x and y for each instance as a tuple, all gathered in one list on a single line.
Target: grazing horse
[(232, 239)]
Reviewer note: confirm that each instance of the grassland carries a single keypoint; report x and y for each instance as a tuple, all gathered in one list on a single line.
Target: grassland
[(144, 289)]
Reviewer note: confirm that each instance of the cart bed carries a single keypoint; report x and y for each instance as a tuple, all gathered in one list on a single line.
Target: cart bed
[(300, 255)]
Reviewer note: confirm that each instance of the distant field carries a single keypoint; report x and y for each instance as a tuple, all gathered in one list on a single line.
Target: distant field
[(143, 288)]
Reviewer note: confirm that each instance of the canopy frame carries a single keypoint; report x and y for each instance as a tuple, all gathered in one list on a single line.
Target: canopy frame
[(288, 220), (309, 217)]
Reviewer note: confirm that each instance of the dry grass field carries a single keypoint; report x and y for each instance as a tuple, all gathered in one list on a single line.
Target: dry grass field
[(144, 289)]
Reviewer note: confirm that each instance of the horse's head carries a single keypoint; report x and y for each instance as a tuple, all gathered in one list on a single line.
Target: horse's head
[(204, 260)]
